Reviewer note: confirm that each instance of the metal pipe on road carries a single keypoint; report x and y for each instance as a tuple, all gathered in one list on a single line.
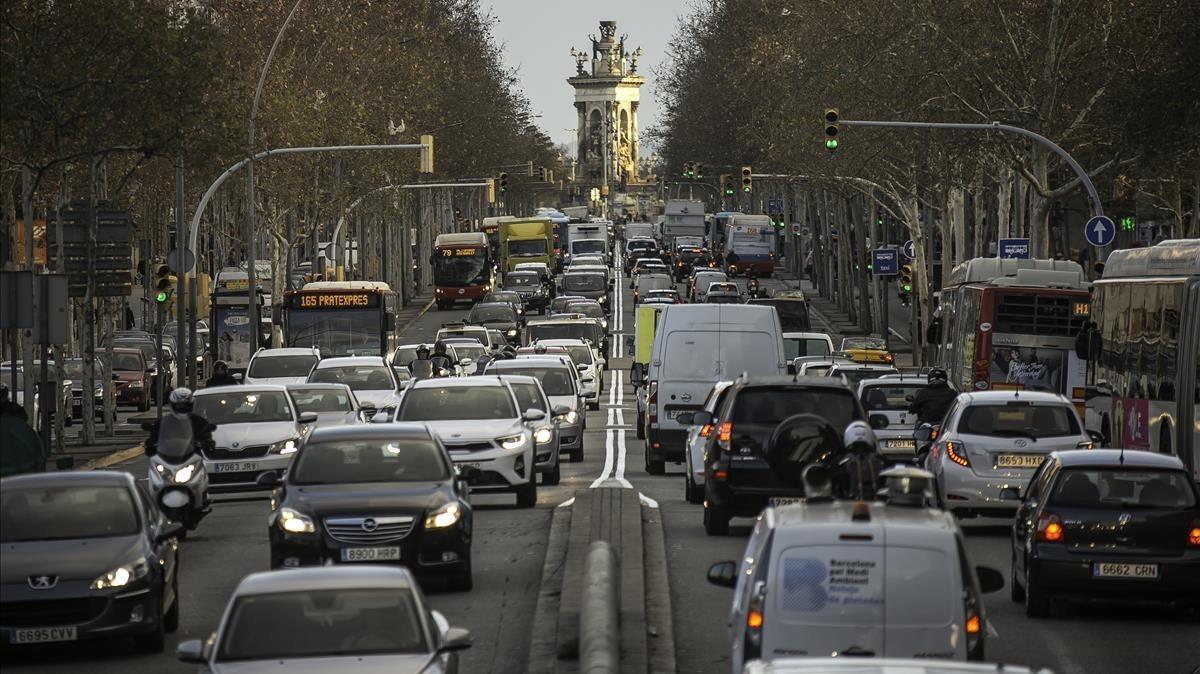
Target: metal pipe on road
[(599, 624)]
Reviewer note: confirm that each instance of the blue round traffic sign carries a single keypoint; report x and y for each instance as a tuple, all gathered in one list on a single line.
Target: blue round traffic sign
[(1100, 230), (907, 250)]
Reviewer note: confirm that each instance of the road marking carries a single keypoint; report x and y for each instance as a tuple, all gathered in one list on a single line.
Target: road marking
[(567, 503), (614, 438), (608, 459), (647, 501), (620, 474)]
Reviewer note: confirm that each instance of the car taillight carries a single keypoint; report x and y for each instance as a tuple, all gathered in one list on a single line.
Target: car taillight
[(754, 621), (1194, 535), (1049, 528), (725, 432), (957, 453), (973, 625), (652, 401), (706, 430)]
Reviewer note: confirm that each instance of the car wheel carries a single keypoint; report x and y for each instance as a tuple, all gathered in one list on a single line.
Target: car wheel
[(527, 495), (553, 476), (693, 492), (171, 619), (462, 580), (1015, 589), (656, 466), (152, 642), (1037, 603), (576, 455), (641, 426), (716, 520), (594, 406)]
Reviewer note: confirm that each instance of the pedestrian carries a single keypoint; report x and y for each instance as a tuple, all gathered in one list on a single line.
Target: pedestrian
[(220, 376), (20, 447)]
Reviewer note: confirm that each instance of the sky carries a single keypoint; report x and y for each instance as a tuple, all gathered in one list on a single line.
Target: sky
[(536, 36)]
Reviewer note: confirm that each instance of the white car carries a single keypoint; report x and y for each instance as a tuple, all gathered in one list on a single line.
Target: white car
[(993, 441), (370, 377), (258, 433), (476, 332), (590, 367), (703, 280), (479, 422), (803, 344), (284, 366), (816, 366), (852, 373), (697, 438), (890, 396)]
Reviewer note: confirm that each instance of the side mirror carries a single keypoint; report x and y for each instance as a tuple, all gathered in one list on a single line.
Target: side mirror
[(533, 414), (455, 639), (686, 418), (169, 530), (908, 398), (878, 421), (1010, 494), (990, 580), (702, 417), (791, 368), (237, 376), (191, 651), (560, 410), (723, 574), (637, 374), (308, 417), (366, 406), (1096, 437)]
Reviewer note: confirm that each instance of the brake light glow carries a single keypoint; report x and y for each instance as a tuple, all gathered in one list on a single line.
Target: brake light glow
[(754, 619), (973, 625), (1049, 528), (1194, 535), (957, 453), (706, 430), (725, 432)]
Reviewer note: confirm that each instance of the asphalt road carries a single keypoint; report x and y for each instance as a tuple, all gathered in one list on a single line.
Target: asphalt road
[(509, 547)]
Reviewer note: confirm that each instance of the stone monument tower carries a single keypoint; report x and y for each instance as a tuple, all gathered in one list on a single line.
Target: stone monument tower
[(606, 100)]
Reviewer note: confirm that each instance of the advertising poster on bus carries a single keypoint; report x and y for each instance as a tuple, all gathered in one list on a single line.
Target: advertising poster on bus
[(233, 336)]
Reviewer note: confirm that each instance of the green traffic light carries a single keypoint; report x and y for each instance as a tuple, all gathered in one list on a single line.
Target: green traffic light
[(1127, 223), (831, 143), (746, 189), (161, 296), (907, 288)]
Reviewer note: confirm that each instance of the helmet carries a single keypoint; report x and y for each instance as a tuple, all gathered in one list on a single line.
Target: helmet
[(440, 348), (220, 365), (937, 374), (423, 352), (181, 400), (858, 437)]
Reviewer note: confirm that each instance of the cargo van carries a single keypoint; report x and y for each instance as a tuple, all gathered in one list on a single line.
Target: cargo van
[(841, 578), (695, 346), (647, 282)]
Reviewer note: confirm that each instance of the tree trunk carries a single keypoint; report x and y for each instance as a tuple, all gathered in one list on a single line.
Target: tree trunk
[(954, 223), (1039, 211), (1004, 196), (981, 231)]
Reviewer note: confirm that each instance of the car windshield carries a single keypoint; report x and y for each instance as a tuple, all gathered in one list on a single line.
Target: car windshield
[(528, 396), (146, 347), (322, 623), (1120, 488), (556, 381), (265, 366), (229, 405), (576, 283), (502, 296), (330, 399), (73, 368), (581, 354), (817, 370), (640, 244), (454, 403), (473, 351), (126, 362), (405, 355), (357, 377), (66, 512), (889, 397), (1019, 419), (588, 246), (523, 280), (871, 343), (382, 460), (502, 313), (588, 309), (478, 334), (803, 346)]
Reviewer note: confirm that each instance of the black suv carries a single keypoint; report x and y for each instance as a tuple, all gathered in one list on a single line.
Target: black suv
[(739, 480)]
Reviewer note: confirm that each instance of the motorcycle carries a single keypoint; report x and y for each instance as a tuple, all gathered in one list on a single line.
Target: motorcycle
[(806, 440), (924, 436), (177, 478), (752, 288)]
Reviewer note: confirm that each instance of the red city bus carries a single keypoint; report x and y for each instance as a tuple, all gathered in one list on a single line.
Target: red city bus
[(1010, 325), (463, 268)]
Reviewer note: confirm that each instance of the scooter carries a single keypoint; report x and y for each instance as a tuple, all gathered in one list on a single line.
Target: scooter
[(177, 478), (752, 288), (924, 436)]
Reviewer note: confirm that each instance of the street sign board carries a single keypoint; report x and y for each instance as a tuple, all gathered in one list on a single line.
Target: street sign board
[(1100, 230), (188, 263), (885, 262), (1012, 249), (907, 250), (111, 258), (16, 309), (51, 326), (774, 206)]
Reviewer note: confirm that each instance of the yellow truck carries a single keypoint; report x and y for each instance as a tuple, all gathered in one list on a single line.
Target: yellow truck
[(526, 240), (645, 320)]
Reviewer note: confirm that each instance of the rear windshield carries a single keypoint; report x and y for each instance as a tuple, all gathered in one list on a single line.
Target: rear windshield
[(583, 282), (452, 403), (584, 331), (704, 355), (556, 381), (1019, 420), (499, 312), (357, 377), (794, 348), (321, 400), (355, 461), (1118, 488), (769, 405), (855, 375), (282, 366), (889, 397), (66, 512)]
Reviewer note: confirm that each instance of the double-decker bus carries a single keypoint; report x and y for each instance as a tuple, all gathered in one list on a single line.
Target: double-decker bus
[(1010, 325), (341, 318), (463, 268), (1143, 343)]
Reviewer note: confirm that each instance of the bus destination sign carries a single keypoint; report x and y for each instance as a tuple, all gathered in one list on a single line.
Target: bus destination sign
[(460, 252), (336, 301)]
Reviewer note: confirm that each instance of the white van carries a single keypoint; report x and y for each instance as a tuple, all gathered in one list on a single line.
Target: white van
[(703, 280), (841, 578), (695, 346), (647, 282)]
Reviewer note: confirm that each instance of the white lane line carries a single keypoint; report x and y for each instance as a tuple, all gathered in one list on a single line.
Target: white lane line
[(620, 474), (567, 503), (610, 417), (618, 387), (620, 416), (608, 459), (646, 500)]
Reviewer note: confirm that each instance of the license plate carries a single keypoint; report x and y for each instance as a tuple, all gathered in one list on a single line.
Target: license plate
[(787, 500), (41, 635), (371, 554), (671, 414), (898, 444), (1019, 460), (1111, 570), (235, 467), (473, 464)]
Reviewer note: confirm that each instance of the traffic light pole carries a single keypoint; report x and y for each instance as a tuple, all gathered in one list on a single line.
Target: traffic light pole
[(1093, 196)]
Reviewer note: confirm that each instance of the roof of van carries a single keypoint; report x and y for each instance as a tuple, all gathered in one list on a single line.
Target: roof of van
[(461, 239), (898, 521), (731, 314)]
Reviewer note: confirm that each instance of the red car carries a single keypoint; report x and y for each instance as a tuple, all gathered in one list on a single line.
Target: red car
[(131, 375)]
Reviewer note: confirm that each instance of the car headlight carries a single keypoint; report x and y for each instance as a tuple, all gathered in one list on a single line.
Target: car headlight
[(511, 333), (604, 324), (543, 435), (603, 299), (295, 522), (122, 575), (570, 417), (288, 446), (136, 383), (512, 441), (446, 516), (185, 473)]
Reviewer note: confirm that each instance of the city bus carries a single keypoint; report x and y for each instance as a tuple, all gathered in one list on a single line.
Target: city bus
[(341, 318), (463, 268), (1142, 343), (231, 338), (716, 231), (750, 245), (1010, 325)]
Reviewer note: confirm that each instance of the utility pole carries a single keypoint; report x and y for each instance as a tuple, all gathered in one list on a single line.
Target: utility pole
[(182, 363)]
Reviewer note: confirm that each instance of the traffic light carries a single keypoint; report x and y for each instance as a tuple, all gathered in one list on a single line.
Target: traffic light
[(699, 171), (164, 284), (689, 169), (503, 183), (725, 182), (905, 286), (541, 174), (1128, 223), (832, 129), (747, 181), (778, 219)]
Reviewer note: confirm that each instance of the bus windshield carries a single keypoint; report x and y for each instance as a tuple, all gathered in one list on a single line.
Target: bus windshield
[(458, 266), (337, 333)]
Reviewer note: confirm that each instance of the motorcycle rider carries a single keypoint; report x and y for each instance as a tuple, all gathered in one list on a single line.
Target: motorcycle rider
[(420, 366), (181, 404), (441, 362), (932, 402), (220, 376), (751, 283), (864, 460)]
